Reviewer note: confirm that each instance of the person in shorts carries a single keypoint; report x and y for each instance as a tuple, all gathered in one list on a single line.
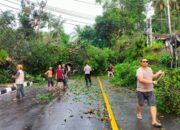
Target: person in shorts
[(65, 72), (59, 78), (49, 74), (110, 70), (145, 90)]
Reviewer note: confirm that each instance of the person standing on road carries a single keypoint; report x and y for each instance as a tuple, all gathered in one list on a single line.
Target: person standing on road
[(145, 90), (110, 70), (87, 70), (59, 78), (49, 74), (19, 81), (65, 71)]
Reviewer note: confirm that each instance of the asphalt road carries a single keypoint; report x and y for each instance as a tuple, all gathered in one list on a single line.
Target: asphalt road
[(79, 108), (123, 103)]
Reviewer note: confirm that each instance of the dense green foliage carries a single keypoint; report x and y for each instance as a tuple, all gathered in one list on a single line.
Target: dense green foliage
[(125, 75), (3, 56), (160, 23), (168, 92)]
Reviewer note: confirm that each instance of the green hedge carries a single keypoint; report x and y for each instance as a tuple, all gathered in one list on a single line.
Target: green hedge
[(125, 74), (5, 76), (3, 56), (168, 92)]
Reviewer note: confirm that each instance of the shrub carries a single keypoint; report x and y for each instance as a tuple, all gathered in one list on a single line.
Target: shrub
[(168, 92), (165, 59), (38, 79), (3, 56), (97, 58), (152, 57), (156, 46), (5, 76), (125, 74)]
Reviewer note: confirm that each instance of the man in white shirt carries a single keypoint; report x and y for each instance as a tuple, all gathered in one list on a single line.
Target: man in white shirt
[(87, 70)]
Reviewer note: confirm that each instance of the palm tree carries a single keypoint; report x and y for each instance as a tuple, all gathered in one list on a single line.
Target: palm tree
[(76, 34), (160, 6), (175, 6), (56, 27)]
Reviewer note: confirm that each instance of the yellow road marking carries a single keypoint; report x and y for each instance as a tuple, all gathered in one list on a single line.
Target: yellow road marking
[(108, 106)]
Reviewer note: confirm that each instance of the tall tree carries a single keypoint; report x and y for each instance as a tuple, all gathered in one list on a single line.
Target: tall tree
[(120, 17), (160, 8)]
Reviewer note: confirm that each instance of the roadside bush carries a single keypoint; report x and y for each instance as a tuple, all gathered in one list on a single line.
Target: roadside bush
[(3, 56), (125, 74), (152, 57), (165, 59), (98, 58), (168, 92), (136, 49), (38, 79), (41, 56), (5, 76), (156, 46)]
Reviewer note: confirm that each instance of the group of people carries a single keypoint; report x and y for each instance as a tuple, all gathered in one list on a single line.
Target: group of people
[(61, 75), (145, 84), (88, 69)]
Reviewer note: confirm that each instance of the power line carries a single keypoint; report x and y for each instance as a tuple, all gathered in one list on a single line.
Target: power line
[(76, 21), (67, 12), (71, 23), (62, 17), (9, 6), (64, 11), (85, 2), (11, 2), (71, 20)]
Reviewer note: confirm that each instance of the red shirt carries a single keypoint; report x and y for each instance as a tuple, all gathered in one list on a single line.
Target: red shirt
[(59, 73)]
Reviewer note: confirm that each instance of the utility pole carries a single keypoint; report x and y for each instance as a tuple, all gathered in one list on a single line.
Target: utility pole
[(150, 20), (173, 46), (147, 31), (169, 18)]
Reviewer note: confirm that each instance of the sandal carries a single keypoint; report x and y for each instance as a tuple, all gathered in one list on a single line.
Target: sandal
[(157, 125)]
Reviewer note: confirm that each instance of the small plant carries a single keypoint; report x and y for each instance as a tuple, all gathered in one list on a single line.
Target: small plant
[(5, 77), (165, 59), (3, 56), (168, 92), (38, 79), (45, 98), (156, 46)]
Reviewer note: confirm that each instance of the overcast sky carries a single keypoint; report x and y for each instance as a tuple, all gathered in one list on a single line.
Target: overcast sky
[(74, 12)]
